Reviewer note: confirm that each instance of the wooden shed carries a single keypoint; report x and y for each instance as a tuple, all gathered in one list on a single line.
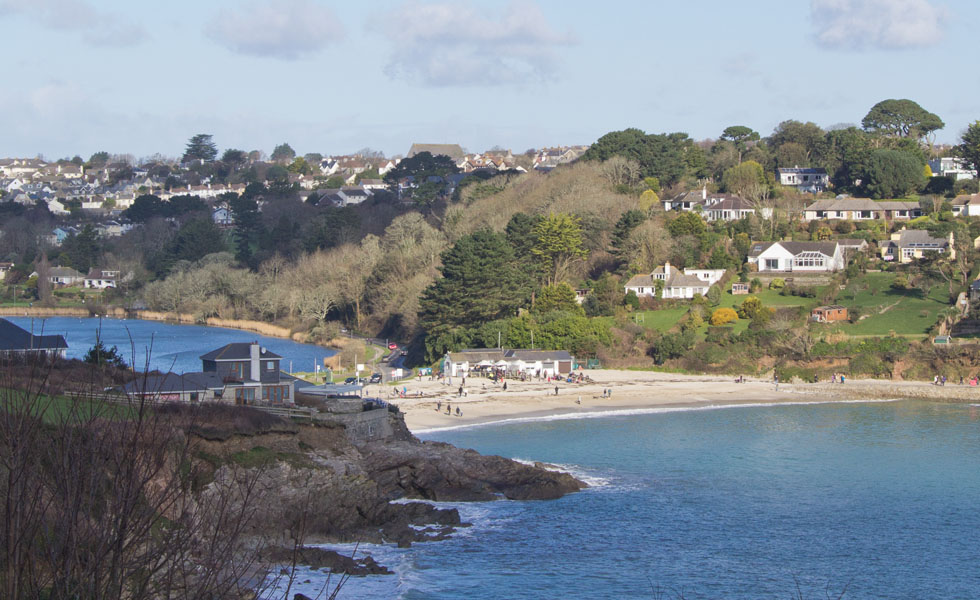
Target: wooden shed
[(829, 314)]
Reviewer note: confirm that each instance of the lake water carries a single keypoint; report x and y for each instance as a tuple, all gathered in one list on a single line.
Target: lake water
[(742, 502), (165, 346)]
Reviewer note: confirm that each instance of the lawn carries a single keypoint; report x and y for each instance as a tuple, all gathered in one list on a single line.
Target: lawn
[(768, 297), (660, 320), (56, 409), (906, 312)]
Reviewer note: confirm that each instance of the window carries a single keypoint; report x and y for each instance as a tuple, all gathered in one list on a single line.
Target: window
[(244, 395), (270, 365), (772, 264)]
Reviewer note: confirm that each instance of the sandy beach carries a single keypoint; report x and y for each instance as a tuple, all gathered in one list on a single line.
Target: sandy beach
[(485, 401)]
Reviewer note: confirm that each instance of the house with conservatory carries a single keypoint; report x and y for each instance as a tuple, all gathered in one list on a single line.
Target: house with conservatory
[(790, 257)]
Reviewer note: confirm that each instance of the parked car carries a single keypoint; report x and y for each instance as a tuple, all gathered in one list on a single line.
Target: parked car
[(353, 381), (393, 346), (375, 378)]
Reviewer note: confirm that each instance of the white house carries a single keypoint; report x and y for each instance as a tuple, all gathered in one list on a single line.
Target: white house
[(222, 217), (531, 362), (676, 283), (966, 206), (804, 179), (949, 166), (714, 207), (788, 257), (101, 279), (65, 276)]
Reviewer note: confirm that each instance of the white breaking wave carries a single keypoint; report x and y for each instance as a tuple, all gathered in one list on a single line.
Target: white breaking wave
[(601, 414), (575, 471)]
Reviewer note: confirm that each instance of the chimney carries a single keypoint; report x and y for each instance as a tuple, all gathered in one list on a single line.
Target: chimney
[(253, 351), (667, 270), (704, 192)]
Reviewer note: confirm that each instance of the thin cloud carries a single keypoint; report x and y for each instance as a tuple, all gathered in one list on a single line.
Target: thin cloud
[(286, 30), (880, 24), (457, 44), (96, 27)]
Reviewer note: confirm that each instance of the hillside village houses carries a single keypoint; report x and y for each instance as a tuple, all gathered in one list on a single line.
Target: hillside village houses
[(790, 257), (676, 283), (910, 244), (966, 206), (861, 209), (805, 179), (714, 206), (948, 166)]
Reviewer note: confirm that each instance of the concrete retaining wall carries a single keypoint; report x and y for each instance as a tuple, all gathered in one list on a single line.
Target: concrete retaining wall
[(368, 426)]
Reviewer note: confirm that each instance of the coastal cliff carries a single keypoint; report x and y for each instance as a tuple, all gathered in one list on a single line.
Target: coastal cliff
[(336, 490)]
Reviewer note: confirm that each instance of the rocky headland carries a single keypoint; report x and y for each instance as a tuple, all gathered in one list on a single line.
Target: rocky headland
[(315, 480)]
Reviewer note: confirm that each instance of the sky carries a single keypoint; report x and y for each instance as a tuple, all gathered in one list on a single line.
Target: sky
[(333, 77)]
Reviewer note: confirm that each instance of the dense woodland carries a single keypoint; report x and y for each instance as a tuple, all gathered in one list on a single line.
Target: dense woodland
[(500, 258)]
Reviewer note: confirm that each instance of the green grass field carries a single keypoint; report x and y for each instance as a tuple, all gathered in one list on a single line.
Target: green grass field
[(58, 409), (660, 320), (909, 312)]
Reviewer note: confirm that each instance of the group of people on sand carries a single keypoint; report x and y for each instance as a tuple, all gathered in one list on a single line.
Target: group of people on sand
[(837, 378), (449, 409)]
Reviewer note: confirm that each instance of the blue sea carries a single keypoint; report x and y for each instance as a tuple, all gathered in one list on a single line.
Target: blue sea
[(876, 500), (164, 346)]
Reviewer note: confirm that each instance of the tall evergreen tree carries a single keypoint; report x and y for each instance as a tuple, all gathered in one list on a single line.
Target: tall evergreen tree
[(201, 147), (480, 282)]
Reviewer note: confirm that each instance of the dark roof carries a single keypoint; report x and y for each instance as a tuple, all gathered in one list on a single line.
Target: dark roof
[(237, 351), (920, 238), (172, 383), (15, 338)]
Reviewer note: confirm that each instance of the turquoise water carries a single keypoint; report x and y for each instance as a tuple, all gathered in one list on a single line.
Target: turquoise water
[(879, 498), (164, 346)]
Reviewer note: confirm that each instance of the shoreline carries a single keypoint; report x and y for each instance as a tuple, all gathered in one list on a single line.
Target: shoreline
[(636, 392), (260, 327)]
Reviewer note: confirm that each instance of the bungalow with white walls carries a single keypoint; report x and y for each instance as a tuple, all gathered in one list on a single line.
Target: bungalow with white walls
[(788, 257)]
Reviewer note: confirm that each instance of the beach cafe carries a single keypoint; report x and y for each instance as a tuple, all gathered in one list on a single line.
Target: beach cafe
[(545, 363)]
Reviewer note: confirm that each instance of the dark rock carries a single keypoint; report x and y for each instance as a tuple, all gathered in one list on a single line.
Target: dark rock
[(319, 558), (441, 472)]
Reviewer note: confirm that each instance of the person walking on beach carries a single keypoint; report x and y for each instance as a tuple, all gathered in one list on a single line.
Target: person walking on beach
[(556, 390), (505, 386), (449, 408), (459, 413), (438, 405), (460, 391)]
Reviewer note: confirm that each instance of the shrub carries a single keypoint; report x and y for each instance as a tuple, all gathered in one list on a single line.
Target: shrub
[(777, 284), (671, 345), (750, 307), (723, 316), (719, 335), (755, 285), (714, 295), (631, 300)]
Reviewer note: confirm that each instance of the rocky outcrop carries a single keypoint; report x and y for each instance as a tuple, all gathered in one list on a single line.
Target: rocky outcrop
[(312, 479), (441, 472), (319, 558)]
